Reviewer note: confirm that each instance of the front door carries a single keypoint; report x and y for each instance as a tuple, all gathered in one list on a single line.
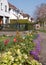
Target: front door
[(1, 21)]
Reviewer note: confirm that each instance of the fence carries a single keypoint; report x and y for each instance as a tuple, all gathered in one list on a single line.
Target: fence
[(17, 26)]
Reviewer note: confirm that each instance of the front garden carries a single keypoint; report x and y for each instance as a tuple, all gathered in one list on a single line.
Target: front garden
[(20, 49)]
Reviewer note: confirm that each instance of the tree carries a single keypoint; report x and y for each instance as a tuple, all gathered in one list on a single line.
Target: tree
[(41, 14)]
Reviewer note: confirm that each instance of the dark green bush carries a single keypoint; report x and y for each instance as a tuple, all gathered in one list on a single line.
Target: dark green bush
[(21, 25)]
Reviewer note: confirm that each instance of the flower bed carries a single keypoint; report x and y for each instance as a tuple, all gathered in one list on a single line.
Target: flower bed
[(15, 50)]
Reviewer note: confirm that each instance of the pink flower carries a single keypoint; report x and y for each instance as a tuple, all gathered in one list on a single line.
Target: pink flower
[(6, 41), (14, 40)]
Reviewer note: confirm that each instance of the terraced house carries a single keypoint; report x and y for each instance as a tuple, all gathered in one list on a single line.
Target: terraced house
[(9, 12), (15, 13)]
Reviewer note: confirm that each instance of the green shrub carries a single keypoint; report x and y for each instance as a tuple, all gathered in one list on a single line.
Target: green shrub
[(19, 25), (19, 21)]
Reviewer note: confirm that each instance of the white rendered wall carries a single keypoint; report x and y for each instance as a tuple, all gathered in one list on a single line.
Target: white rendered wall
[(2, 12)]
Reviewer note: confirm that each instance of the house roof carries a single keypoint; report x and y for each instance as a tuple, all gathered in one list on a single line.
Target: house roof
[(25, 15), (15, 8), (12, 6)]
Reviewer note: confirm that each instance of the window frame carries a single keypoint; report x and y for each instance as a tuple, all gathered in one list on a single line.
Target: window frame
[(5, 8), (1, 6)]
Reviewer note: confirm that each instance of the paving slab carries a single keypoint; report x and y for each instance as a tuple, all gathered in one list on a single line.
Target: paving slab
[(43, 48)]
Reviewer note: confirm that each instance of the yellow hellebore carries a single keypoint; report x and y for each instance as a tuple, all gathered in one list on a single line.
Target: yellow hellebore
[(33, 62), (14, 64), (18, 52), (9, 53)]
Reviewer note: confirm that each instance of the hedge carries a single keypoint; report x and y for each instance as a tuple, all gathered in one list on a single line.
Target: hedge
[(22, 24), (13, 21)]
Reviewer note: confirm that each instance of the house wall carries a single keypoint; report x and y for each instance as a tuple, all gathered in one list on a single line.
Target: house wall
[(20, 16), (4, 9), (13, 14)]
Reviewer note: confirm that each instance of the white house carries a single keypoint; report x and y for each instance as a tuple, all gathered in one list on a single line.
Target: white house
[(9, 11), (27, 16), (4, 12), (15, 13), (12, 11)]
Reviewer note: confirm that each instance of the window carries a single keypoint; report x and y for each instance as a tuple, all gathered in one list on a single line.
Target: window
[(9, 9), (5, 8), (1, 7)]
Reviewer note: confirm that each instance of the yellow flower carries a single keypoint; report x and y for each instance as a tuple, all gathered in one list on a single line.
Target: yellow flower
[(25, 56), (16, 59), (20, 64), (11, 58), (33, 62), (31, 35), (18, 52), (14, 64), (23, 37), (19, 57), (27, 33), (9, 53)]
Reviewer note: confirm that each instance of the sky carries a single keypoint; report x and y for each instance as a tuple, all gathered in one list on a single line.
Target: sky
[(27, 6)]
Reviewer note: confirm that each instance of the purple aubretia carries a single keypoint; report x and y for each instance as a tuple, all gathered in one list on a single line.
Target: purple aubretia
[(37, 42), (35, 55), (36, 52)]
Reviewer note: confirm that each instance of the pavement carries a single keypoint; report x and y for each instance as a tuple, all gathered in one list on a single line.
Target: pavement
[(12, 32), (43, 48), (7, 32)]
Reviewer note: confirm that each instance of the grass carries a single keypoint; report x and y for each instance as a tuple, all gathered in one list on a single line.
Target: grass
[(42, 31), (2, 38)]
